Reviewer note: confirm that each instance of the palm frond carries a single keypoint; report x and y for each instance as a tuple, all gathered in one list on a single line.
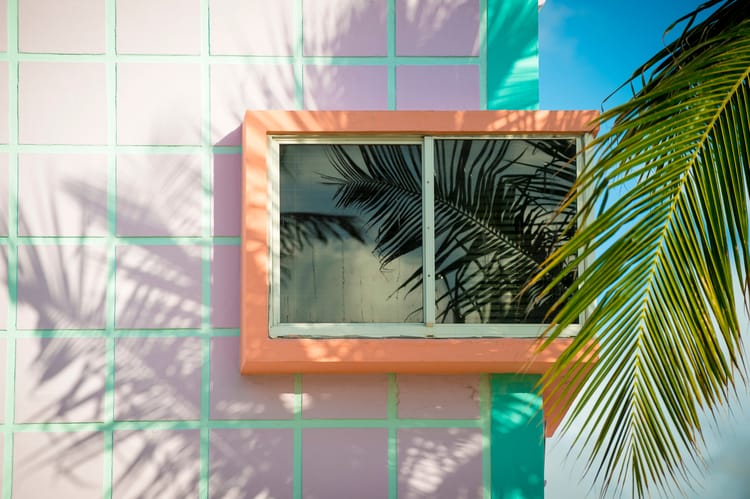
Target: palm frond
[(494, 222), (663, 256)]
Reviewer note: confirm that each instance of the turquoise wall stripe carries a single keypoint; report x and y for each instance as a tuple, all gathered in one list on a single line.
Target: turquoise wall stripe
[(517, 438), (512, 54)]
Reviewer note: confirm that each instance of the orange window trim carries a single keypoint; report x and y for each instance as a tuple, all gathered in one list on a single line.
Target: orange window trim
[(261, 354)]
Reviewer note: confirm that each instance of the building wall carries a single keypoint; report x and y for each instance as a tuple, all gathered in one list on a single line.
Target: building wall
[(119, 250)]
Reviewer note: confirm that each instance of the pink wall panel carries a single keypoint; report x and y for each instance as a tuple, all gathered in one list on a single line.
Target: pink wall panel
[(163, 27), (3, 287), (227, 196), (64, 465), (346, 87), (4, 295), (157, 378), (344, 462), (251, 464), (345, 27), (4, 194), (62, 195), (158, 287), (225, 287), (246, 397), (458, 89), (72, 111), (2, 383), (61, 286), (156, 463), (440, 463), (4, 107), (252, 27), (159, 195), (335, 397), (446, 397), (3, 25), (437, 27), (59, 379), (158, 103), (238, 87), (72, 26)]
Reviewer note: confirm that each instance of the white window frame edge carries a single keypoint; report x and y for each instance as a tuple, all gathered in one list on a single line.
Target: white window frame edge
[(427, 328)]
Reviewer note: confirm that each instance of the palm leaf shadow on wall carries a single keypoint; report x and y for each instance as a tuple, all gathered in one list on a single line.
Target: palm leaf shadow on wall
[(497, 217)]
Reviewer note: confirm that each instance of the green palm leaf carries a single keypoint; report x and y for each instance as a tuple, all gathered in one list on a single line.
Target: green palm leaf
[(493, 227), (663, 256)]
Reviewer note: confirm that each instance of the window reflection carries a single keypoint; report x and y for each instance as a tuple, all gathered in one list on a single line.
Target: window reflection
[(351, 237), (496, 220)]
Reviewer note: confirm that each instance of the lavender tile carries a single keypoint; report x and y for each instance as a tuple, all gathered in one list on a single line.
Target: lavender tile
[(252, 27), (437, 27), (346, 87), (158, 103), (344, 462), (159, 195), (163, 27), (62, 194), (156, 463), (251, 463), (70, 27), (335, 396), (59, 380), (158, 287), (157, 378), (225, 287), (438, 396), (58, 464), (227, 194), (236, 88), (72, 111), (440, 463), (61, 287), (458, 88), (345, 28), (246, 397)]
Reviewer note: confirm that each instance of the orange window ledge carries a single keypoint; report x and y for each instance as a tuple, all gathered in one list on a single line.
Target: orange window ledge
[(262, 354)]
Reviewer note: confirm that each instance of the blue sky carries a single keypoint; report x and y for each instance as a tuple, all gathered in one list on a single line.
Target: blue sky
[(587, 49)]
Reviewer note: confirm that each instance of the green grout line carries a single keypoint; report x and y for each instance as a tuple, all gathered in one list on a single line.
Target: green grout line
[(391, 59), (297, 439), (111, 241), (129, 240), (206, 253), (12, 262), (392, 409), (483, 54), (485, 414)]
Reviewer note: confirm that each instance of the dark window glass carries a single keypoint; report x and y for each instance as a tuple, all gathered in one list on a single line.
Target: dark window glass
[(496, 219), (351, 233)]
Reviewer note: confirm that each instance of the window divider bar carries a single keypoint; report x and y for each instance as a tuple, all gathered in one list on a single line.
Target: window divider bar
[(428, 230)]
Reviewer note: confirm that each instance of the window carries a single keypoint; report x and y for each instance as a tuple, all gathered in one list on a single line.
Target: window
[(415, 236), (414, 318)]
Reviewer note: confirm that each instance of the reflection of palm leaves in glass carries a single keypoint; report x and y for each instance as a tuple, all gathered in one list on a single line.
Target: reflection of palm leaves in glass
[(495, 218), (299, 230)]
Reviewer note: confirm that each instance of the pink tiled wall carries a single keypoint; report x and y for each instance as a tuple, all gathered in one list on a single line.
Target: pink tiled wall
[(119, 264)]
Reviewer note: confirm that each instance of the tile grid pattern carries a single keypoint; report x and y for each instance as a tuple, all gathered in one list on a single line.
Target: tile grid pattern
[(206, 242)]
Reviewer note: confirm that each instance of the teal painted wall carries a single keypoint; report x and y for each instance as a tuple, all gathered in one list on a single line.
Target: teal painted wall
[(517, 437), (512, 54)]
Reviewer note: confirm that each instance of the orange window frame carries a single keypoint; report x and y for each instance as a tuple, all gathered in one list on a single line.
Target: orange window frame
[(261, 354)]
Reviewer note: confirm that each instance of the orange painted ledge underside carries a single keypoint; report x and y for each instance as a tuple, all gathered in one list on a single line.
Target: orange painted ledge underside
[(261, 354)]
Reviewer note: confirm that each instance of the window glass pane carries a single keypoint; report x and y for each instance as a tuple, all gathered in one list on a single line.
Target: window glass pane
[(351, 233), (496, 220)]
